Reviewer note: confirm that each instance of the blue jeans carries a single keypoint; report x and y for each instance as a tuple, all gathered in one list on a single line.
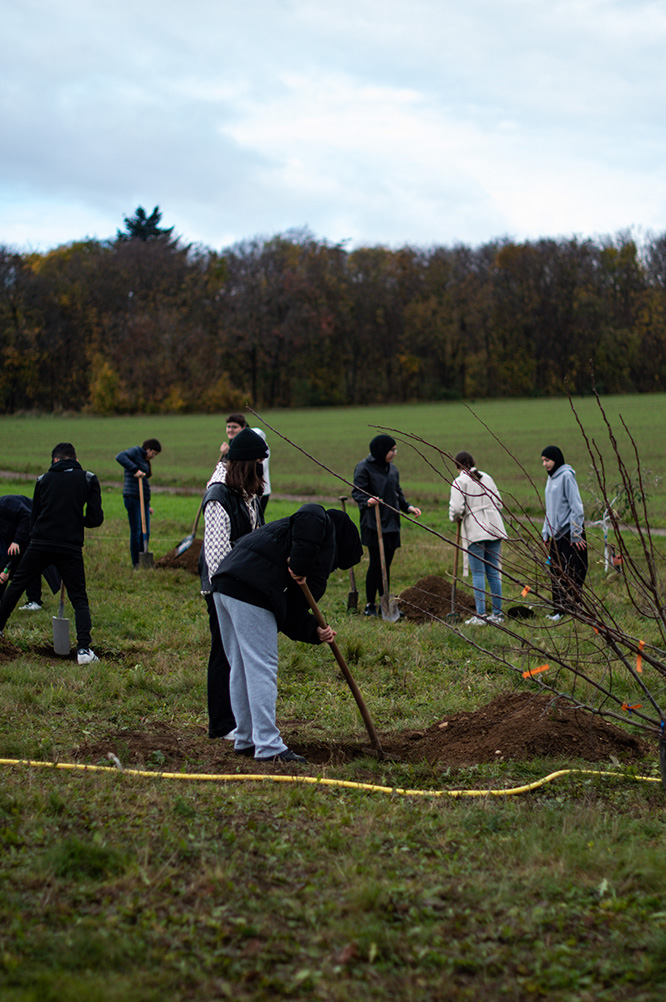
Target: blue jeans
[(133, 506), (484, 563)]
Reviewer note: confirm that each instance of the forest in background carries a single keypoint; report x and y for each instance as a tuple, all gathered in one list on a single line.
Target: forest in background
[(143, 323)]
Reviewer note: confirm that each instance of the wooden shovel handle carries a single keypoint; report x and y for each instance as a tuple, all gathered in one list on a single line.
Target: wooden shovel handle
[(337, 654), (382, 556), (142, 506)]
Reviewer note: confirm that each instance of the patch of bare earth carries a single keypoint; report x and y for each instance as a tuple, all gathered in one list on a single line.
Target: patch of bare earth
[(430, 598), (515, 726)]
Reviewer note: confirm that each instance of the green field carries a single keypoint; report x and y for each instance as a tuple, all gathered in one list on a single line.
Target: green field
[(114, 887)]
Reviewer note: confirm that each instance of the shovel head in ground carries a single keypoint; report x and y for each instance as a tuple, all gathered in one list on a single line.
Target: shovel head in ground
[(188, 540), (389, 607), (61, 627)]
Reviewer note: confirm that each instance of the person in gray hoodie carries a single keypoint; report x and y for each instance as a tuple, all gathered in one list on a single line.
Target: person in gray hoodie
[(563, 532)]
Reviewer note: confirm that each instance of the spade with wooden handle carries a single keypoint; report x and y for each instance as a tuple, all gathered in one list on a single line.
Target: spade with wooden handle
[(389, 606), (337, 654), (146, 559), (352, 597)]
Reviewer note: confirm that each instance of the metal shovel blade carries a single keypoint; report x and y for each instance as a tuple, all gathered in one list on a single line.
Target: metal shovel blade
[(390, 610), (61, 628), (184, 544), (146, 559)]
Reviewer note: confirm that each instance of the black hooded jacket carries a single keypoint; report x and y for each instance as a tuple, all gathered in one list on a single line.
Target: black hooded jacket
[(312, 542), (377, 478), (66, 499)]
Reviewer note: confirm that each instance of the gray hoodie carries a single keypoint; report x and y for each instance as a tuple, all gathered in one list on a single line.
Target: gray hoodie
[(564, 508)]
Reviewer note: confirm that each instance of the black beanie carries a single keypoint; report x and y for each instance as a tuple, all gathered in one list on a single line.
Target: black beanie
[(552, 452), (348, 549), (247, 445), (380, 445)]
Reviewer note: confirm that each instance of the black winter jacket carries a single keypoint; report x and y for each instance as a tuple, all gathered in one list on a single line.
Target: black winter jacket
[(66, 499), (14, 526), (256, 570), (379, 480)]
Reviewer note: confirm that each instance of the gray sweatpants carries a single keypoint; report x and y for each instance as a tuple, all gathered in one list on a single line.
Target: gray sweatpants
[(249, 637)]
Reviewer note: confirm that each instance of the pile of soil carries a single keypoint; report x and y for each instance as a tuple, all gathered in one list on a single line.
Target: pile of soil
[(430, 598), (188, 560), (514, 726)]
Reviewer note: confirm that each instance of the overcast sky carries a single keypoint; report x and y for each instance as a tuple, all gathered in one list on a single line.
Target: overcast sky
[(373, 121)]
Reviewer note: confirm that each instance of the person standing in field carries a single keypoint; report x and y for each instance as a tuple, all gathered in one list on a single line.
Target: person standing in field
[(377, 479), (475, 503), (136, 461), (235, 423), (231, 510), (563, 532), (257, 593), (67, 500)]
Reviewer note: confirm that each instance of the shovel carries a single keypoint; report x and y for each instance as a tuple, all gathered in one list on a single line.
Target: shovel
[(352, 597), (61, 627), (389, 606), (372, 733), (453, 616), (188, 540), (146, 559)]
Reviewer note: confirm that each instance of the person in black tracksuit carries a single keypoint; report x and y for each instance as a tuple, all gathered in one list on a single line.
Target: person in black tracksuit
[(377, 479), (257, 592), (67, 498), (14, 538), (231, 508)]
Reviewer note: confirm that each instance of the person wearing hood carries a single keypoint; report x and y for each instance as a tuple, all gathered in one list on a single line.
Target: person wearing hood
[(257, 593), (563, 531), (231, 508), (376, 479)]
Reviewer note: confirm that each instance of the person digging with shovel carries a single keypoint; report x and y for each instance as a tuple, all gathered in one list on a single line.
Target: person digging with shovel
[(136, 461), (375, 479), (67, 500), (257, 592)]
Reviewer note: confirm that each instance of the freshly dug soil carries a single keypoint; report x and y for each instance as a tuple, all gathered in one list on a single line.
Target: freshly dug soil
[(187, 561), (430, 598), (515, 726)]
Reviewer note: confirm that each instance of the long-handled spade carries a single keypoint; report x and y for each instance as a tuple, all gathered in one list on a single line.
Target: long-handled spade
[(146, 559), (453, 616), (352, 597), (388, 605), (337, 654), (61, 627)]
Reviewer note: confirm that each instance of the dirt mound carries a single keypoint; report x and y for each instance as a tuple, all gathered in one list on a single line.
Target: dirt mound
[(8, 652), (431, 598), (515, 726), (188, 560)]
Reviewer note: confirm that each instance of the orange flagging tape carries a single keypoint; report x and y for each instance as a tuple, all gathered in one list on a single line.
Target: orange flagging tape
[(634, 706), (639, 657), (535, 671), (525, 591)]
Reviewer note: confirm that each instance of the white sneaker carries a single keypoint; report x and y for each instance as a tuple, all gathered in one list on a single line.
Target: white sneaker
[(84, 656), (231, 736), (496, 617), (475, 621), (555, 617), (30, 607)]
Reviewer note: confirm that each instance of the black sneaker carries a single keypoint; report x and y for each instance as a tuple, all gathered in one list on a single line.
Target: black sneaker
[(285, 756), (370, 609)]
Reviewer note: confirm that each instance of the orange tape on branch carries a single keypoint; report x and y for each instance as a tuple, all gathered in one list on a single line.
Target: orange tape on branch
[(639, 657), (525, 590), (535, 671), (634, 706)]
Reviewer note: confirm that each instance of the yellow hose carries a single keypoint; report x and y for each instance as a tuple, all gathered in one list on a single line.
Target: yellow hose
[(318, 781)]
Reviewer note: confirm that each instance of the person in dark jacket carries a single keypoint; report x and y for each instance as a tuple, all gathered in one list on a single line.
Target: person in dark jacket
[(231, 509), (257, 593), (136, 462), (67, 499), (14, 538), (376, 479)]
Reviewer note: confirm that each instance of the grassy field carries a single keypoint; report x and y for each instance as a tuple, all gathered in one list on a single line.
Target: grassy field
[(115, 887)]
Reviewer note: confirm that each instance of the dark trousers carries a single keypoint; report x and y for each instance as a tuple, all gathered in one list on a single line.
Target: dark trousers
[(133, 506), (70, 565), (373, 579), (568, 570), (220, 715)]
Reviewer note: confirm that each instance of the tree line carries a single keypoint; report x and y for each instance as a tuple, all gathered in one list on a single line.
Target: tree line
[(145, 323)]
